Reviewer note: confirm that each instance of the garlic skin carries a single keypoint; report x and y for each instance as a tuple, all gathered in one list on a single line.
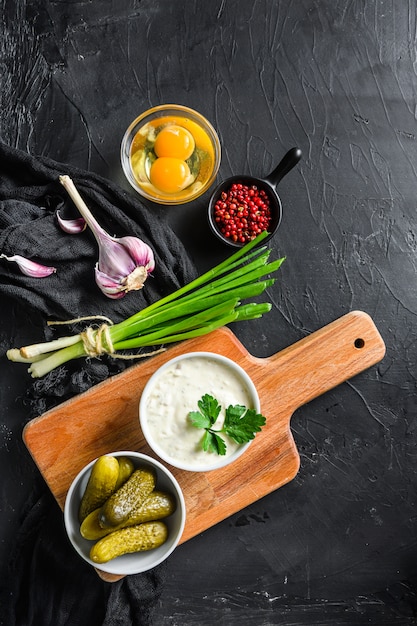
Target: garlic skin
[(30, 268), (123, 263)]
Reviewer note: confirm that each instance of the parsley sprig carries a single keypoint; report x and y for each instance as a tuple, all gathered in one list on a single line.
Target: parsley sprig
[(240, 424)]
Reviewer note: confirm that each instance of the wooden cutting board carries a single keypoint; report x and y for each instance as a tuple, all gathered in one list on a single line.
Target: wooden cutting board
[(105, 418)]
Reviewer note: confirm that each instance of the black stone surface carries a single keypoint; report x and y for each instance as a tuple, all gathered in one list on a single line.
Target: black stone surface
[(337, 545)]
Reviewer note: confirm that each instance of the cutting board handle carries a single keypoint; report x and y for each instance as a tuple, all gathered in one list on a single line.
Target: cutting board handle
[(322, 360)]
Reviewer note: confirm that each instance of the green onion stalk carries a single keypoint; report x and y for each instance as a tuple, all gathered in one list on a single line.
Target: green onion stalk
[(212, 300)]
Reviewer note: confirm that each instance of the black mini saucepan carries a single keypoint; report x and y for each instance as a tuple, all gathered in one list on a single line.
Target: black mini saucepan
[(269, 184)]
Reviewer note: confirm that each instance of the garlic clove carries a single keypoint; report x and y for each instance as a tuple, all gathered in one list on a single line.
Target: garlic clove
[(30, 268), (111, 288), (73, 227), (139, 251), (117, 288), (113, 259)]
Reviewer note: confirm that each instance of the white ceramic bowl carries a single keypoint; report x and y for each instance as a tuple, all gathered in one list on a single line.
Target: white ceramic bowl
[(168, 434), (136, 562)]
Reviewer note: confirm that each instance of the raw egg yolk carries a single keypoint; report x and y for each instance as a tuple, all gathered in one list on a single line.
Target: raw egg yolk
[(169, 174), (174, 141)]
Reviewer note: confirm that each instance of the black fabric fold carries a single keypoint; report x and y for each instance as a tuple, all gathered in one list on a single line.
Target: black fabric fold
[(50, 585), (48, 582), (30, 195)]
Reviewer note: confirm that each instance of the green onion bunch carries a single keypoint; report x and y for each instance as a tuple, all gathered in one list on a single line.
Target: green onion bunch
[(212, 300)]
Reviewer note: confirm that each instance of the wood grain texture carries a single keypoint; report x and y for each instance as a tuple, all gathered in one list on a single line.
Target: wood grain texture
[(105, 418)]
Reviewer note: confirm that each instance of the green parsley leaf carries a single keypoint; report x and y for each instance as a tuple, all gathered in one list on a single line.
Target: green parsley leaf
[(240, 424), (212, 442), (199, 420), (209, 407)]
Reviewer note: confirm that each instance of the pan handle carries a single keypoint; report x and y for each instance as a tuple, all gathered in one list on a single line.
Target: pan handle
[(286, 164)]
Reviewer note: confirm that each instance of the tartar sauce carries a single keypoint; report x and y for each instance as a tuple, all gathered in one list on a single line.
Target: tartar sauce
[(176, 392)]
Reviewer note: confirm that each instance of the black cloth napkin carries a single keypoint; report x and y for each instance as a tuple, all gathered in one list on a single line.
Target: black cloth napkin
[(49, 583), (30, 195)]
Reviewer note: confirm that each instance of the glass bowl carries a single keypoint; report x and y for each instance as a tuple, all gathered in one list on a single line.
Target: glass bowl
[(179, 175)]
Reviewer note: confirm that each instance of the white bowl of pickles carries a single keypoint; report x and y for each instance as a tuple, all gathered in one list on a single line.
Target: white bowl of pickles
[(124, 513)]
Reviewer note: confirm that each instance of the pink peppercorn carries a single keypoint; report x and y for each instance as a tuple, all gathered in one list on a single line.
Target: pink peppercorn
[(242, 212)]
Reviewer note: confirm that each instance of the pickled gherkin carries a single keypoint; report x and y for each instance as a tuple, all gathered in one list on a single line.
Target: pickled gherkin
[(156, 506), (117, 509), (142, 537), (101, 484), (126, 469)]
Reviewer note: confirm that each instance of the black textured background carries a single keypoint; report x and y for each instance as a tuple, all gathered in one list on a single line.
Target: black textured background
[(337, 79)]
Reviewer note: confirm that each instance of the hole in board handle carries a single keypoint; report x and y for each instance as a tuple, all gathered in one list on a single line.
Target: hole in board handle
[(359, 343)]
